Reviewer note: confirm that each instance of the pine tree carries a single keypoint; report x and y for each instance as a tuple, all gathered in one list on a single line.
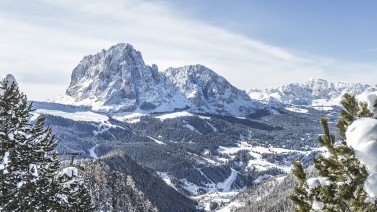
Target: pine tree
[(74, 189), (301, 195), (29, 169), (339, 185)]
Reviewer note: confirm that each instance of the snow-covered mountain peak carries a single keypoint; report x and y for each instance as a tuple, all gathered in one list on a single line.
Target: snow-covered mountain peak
[(209, 92), (118, 80), (197, 75), (104, 65)]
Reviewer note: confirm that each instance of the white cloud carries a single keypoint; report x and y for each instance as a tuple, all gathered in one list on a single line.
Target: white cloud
[(42, 42)]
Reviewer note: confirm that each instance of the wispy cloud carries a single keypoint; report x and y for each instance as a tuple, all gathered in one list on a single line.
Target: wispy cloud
[(372, 50), (42, 42)]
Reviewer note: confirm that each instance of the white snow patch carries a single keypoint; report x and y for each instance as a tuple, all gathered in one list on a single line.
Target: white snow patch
[(91, 102), (69, 172), (129, 118), (297, 109), (11, 136), (20, 184), (227, 184), (4, 162), (281, 178), (86, 116), (9, 80), (192, 95), (33, 116), (318, 205), (33, 169), (370, 98), (243, 145), (173, 115), (205, 117), (62, 198), (189, 186), (317, 181), (370, 185), (206, 152), (192, 128), (92, 152), (165, 177), (362, 137), (157, 141), (213, 127)]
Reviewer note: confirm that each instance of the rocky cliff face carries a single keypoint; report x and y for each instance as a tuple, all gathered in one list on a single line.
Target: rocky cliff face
[(117, 80)]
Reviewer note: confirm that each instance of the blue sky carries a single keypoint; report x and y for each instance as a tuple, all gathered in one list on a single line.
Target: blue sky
[(340, 29), (251, 43)]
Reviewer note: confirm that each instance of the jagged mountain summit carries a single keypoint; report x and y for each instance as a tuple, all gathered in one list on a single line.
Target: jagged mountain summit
[(309, 92), (207, 91), (118, 80)]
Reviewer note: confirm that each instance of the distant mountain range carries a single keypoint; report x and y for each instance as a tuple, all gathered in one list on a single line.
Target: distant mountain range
[(315, 92)]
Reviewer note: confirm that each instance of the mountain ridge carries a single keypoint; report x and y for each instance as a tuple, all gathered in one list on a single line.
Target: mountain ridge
[(118, 80), (307, 93)]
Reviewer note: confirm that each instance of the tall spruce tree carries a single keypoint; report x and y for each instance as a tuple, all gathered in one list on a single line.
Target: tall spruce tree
[(30, 175), (339, 185)]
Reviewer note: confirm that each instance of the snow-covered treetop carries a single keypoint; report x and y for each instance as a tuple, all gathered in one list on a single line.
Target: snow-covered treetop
[(369, 97), (362, 137), (8, 80)]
